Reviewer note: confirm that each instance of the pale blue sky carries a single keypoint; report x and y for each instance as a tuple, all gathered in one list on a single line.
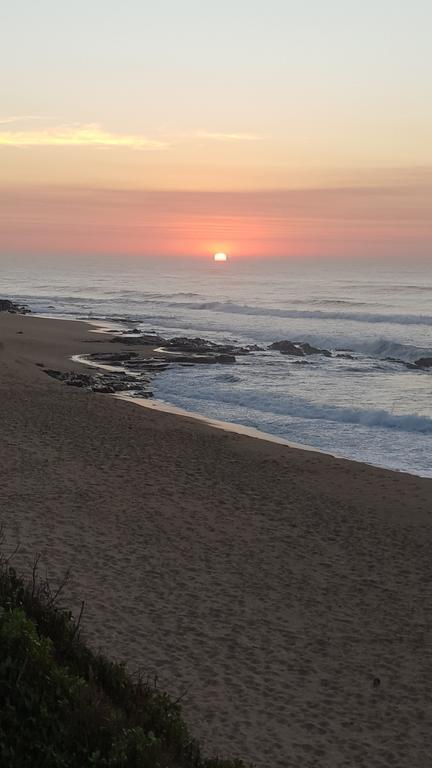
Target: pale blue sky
[(257, 66)]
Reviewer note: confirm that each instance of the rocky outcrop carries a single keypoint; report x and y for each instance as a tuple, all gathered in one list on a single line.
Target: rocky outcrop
[(423, 362), (145, 339), (185, 350), (200, 346), (298, 348), (109, 383), (309, 350), (130, 360), (152, 364), (113, 358), (134, 369), (287, 348), (9, 306)]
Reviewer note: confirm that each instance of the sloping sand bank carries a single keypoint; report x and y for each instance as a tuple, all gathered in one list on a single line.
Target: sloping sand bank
[(266, 584)]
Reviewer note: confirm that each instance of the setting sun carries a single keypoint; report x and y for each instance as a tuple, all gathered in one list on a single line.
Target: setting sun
[(220, 257)]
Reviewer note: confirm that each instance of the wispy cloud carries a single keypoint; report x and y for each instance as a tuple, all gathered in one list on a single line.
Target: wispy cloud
[(93, 135), (228, 136), (75, 135)]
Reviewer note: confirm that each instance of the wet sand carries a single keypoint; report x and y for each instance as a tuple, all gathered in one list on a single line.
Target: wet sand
[(266, 584)]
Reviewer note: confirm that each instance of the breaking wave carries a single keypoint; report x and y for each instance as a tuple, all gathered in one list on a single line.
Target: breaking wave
[(299, 408), (315, 314)]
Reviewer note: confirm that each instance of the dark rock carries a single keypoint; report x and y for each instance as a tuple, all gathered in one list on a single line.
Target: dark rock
[(298, 348), (103, 383), (345, 356), (104, 389), (150, 364), (53, 373), (146, 339), (394, 360), (301, 362), (183, 344), (287, 348), (76, 379), (9, 306), (73, 382), (202, 347), (423, 362), (309, 350), (113, 357)]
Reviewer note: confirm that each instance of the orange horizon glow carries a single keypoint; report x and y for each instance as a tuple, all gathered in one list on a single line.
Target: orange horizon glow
[(388, 220)]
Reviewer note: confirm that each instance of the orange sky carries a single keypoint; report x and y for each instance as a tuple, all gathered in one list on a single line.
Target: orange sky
[(392, 220), (261, 129)]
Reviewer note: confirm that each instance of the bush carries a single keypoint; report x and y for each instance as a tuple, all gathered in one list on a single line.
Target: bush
[(64, 706)]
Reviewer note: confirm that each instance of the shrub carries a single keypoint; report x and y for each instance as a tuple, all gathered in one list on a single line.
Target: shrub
[(64, 706)]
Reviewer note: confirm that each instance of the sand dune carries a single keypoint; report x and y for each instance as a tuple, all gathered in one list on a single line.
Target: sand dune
[(268, 586)]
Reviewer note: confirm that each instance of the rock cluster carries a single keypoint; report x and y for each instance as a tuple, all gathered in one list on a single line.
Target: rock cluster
[(180, 350), (104, 383), (145, 339), (9, 306), (422, 363), (298, 348), (198, 346), (130, 360)]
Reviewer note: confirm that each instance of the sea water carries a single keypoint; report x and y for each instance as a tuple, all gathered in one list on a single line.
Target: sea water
[(368, 406)]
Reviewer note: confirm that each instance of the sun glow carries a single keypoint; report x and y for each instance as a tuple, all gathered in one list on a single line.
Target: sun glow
[(220, 257)]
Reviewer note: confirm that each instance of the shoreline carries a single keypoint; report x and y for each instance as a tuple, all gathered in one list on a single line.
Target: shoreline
[(241, 429), (156, 404), (266, 586), (226, 426), (105, 327)]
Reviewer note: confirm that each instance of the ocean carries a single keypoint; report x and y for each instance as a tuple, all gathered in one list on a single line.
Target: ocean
[(362, 403)]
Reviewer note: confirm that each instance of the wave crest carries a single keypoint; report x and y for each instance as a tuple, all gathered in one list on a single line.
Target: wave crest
[(314, 314), (300, 408)]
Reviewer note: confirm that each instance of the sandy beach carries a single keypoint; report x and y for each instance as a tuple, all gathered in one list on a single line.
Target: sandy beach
[(266, 585)]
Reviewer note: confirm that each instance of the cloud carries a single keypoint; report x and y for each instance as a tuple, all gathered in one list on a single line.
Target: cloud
[(76, 135), (228, 136), (93, 135)]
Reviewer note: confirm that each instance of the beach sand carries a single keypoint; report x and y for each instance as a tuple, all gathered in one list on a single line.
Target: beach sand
[(266, 585)]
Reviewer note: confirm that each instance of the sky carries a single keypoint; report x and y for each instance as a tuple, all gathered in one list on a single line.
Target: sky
[(273, 128)]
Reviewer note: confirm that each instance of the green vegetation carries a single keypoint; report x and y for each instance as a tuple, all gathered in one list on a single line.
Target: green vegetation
[(64, 706)]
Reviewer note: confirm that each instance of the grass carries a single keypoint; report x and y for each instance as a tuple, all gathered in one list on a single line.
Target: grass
[(64, 706)]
